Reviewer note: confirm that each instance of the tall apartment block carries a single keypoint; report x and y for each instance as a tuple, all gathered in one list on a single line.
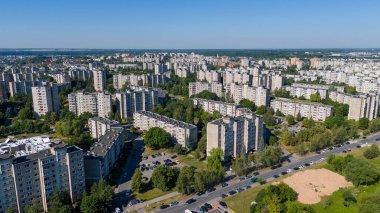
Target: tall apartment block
[(98, 104), (160, 68), (236, 135), (183, 133), (100, 159), (3, 91), (318, 112), (31, 168), (197, 87), (22, 87), (45, 99), (140, 99), (99, 80), (363, 106), (258, 95), (219, 106), (98, 126)]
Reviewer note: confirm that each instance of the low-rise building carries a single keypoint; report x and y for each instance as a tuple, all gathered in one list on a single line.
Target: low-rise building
[(183, 133)]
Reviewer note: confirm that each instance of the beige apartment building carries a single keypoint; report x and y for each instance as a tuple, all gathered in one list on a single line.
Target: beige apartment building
[(31, 168), (236, 135), (259, 95), (211, 106), (98, 126), (183, 133), (306, 90), (99, 80), (318, 112), (197, 87), (98, 104), (45, 99)]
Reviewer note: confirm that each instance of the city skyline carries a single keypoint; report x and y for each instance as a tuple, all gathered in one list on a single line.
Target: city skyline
[(190, 25)]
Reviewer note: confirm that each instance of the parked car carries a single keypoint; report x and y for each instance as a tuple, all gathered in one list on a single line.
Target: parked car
[(164, 206), (191, 200), (174, 203), (223, 204)]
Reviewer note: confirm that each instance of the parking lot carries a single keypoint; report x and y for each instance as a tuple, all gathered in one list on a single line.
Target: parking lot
[(149, 163)]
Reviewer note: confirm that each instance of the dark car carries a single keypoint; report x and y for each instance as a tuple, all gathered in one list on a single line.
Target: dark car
[(232, 192), (200, 193), (254, 180), (364, 137), (307, 164), (145, 157), (284, 173), (241, 179), (358, 146), (296, 168), (256, 173), (223, 204), (276, 176), (174, 156), (223, 195), (208, 206), (191, 200), (224, 184), (211, 189), (174, 203), (164, 206), (203, 209)]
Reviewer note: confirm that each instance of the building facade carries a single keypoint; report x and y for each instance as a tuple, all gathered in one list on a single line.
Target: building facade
[(198, 87), (31, 168), (98, 104), (99, 80), (183, 133), (45, 99), (98, 126)]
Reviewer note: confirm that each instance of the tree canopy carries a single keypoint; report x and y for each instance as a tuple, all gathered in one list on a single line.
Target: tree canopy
[(157, 138)]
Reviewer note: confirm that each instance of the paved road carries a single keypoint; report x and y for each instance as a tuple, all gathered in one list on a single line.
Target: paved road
[(267, 175)]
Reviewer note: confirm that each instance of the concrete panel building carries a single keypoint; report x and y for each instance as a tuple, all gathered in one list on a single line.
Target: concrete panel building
[(98, 104), (98, 126), (318, 112), (183, 133), (31, 168), (236, 135), (305, 90), (258, 95), (197, 87), (45, 99), (100, 159), (219, 106), (99, 80)]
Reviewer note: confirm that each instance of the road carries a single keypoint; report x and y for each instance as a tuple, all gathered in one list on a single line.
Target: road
[(267, 175)]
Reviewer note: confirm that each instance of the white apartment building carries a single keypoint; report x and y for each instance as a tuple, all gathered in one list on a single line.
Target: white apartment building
[(183, 133), (31, 168), (100, 159), (98, 104), (197, 87), (98, 126), (150, 80), (99, 80), (45, 99), (259, 95), (209, 76), (318, 112), (140, 99), (236, 135), (210, 106), (305, 90)]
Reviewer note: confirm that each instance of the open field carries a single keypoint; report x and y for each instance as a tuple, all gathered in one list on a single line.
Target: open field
[(313, 184)]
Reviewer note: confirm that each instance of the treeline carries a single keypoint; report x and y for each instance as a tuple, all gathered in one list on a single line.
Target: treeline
[(179, 86)]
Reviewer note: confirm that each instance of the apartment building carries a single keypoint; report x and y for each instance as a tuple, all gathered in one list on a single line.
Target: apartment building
[(81, 74), (99, 80), (318, 112), (305, 90), (22, 87), (98, 104), (100, 159), (360, 106), (140, 99), (259, 95), (98, 126), (160, 68), (31, 168), (45, 99), (183, 133), (197, 87), (150, 80), (236, 135), (3, 91), (225, 109), (209, 76)]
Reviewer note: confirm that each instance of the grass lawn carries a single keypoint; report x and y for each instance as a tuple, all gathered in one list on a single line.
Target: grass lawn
[(151, 194), (189, 160)]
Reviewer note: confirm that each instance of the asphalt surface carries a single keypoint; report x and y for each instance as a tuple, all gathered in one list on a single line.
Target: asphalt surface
[(267, 175)]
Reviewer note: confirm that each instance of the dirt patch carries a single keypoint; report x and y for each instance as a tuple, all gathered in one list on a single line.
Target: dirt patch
[(313, 184)]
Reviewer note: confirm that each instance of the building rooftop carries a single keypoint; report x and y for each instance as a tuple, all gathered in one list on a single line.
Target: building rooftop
[(105, 121), (101, 147), (167, 119)]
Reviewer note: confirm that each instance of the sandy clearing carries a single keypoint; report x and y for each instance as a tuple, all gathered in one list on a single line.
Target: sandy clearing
[(312, 184)]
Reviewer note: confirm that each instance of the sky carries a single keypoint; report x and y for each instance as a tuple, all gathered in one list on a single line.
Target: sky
[(190, 24)]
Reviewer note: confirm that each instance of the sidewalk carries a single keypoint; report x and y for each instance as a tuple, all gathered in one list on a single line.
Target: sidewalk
[(140, 206)]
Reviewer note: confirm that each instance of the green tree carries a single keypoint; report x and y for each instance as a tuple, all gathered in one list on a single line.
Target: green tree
[(164, 177), (290, 119), (270, 156), (299, 117), (350, 90), (25, 113), (247, 104), (269, 119), (185, 180), (99, 199), (206, 95), (156, 138), (214, 164), (361, 173), (137, 184), (363, 123), (287, 138), (372, 152), (34, 208), (240, 165), (261, 110), (308, 123), (316, 97)]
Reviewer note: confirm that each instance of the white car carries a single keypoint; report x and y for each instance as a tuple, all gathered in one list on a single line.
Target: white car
[(289, 171)]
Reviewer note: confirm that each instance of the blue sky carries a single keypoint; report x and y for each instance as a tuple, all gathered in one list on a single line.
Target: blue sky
[(190, 24)]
